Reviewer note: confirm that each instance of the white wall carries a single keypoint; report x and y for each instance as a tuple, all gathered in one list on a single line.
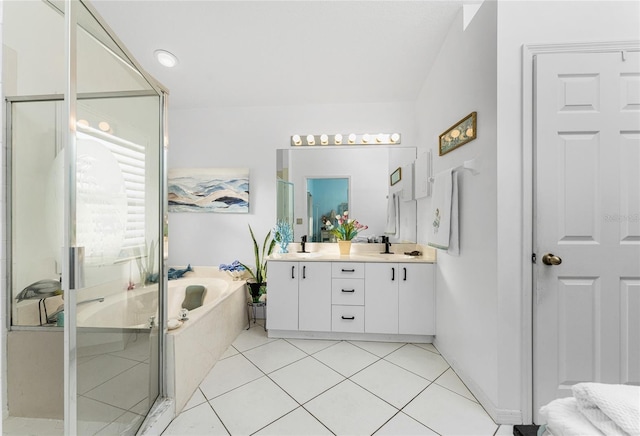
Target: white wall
[(3, 277), (463, 80), (532, 22), (479, 312), (249, 137)]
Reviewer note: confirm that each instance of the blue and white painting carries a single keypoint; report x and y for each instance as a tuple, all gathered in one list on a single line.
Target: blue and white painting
[(220, 190)]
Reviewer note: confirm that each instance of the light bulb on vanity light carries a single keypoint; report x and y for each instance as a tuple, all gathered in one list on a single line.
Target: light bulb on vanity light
[(296, 140), (311, 140), (379, 138), (324, 139), (365, 138), (83, 123), (352, 138), (395, 137), (337, 138)]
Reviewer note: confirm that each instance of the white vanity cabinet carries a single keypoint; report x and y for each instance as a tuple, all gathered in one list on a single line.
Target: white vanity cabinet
[(314, 296), (299, 296), (399, 298), (351, 300), (282, 296)]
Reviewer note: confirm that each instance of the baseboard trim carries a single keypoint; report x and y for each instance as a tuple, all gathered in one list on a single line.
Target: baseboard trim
[(500, 416), (346, 336)]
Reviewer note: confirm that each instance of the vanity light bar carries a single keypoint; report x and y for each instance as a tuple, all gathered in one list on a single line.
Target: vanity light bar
[(350, 139)]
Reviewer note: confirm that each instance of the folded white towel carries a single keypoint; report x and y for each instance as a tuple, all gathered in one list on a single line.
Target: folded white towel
[(392, 215), (614, 409), (443, 227), (564, 419)]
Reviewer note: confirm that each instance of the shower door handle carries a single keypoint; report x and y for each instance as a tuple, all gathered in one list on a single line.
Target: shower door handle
[(76, 267)]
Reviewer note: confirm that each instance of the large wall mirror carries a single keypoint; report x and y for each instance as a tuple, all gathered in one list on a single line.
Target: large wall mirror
[(312, 176)]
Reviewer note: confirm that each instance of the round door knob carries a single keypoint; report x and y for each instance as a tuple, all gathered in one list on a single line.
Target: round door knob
[(551, 259)]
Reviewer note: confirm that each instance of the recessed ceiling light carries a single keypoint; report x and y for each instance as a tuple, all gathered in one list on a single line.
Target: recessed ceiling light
[(165, 58)]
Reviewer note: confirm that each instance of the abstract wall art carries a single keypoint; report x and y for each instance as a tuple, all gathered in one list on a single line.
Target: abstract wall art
[(217, 190)]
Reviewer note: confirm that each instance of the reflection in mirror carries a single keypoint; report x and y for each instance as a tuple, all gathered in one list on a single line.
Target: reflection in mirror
[(326, 198), (368, 170)]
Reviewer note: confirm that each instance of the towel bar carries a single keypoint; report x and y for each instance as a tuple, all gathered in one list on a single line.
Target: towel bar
[(471, 165)]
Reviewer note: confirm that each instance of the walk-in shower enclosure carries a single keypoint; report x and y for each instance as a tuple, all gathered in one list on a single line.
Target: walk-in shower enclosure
[(85, 237)]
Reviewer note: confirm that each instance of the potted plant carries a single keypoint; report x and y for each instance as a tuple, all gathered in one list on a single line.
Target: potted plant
[(258, 281), (345, 230)]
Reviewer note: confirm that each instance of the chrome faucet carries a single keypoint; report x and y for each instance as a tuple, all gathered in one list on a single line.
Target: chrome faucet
[(387, 245), (303, 241)]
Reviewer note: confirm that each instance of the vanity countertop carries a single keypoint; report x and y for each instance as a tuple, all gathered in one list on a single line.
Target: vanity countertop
[(328, 252)]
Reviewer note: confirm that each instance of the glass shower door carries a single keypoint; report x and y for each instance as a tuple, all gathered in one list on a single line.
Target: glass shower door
[(116, 232)]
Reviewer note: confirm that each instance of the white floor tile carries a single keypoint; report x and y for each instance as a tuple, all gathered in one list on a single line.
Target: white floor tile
[(380, 349), (228, 374), (429, 347), (305, 379), (393, 384), (136, 348), (124, 390), (404, 425), (252, 406), (274, 355), (230, 352), (448, 413), (419, 361), (347, 409), (196, 399), (311, 346), (297, 423), (505, 430), (127, 424), (98, 370), (452, 382), (95, 415), (345, 358), (142, 408), (251, 338), (200, 420)]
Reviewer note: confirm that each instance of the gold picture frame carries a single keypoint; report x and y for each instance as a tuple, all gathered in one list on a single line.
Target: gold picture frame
[(459, 134), (395, 176)]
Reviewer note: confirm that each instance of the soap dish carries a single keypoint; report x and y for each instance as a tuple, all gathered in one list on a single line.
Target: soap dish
[(413, 253)]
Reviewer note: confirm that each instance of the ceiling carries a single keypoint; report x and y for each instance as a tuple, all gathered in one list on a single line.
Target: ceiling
[(296, 52)]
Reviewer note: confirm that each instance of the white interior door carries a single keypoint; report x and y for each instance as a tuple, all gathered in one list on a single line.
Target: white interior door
[(587, 214)]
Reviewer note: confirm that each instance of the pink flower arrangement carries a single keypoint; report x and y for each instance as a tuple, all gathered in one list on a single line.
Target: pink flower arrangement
[(346, 228)]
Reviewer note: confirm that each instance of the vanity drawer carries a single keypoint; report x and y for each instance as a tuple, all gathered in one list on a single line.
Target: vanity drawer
[(347, 319), (348, 292), (347, 270)]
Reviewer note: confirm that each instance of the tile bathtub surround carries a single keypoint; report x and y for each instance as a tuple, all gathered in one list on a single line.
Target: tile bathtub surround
[(301, 387)]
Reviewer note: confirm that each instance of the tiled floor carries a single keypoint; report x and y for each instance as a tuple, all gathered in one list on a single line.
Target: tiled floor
[(113, 394), (299, 387)]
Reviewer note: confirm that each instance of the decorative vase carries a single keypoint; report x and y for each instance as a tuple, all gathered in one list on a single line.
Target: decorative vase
[(345, 247), (283, 247), (254, 289)]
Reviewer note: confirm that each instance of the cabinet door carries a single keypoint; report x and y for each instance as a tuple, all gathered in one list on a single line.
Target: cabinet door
[(381, 298), (416, 298), (314, 305), (282, 296)]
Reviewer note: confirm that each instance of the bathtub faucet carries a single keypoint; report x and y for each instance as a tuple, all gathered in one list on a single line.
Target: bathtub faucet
[(100, 299)]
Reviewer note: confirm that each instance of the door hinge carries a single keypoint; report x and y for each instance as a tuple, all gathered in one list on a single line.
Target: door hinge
[(533, 258)]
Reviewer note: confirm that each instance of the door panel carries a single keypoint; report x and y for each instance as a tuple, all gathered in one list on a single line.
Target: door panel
[(586, 212)]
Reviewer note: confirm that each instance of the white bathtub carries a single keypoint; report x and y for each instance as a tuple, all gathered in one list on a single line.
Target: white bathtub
[(193, 348)]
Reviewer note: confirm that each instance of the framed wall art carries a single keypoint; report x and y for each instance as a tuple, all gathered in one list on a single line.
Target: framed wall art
[(459, 134), (218, 190), (395, 176)]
